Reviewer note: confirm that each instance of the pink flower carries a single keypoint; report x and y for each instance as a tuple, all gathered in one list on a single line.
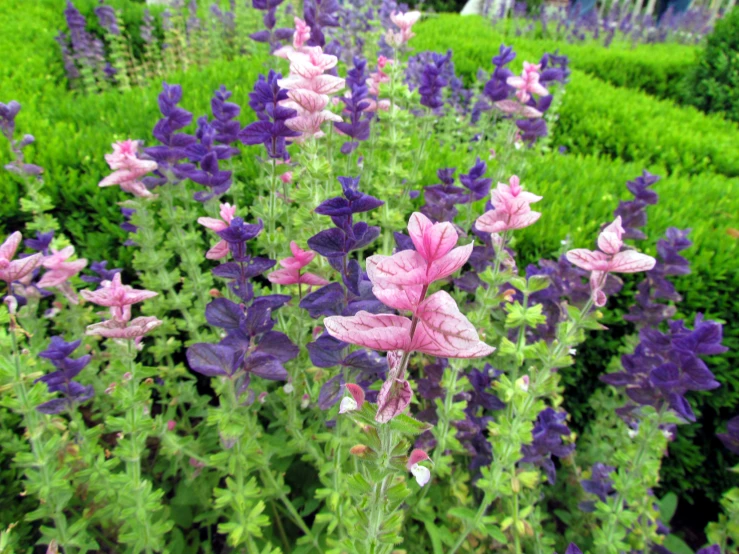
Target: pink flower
[(404, 22), (14, 270), (609, 259), (379, 76), (220, 250), (516, 108), (512, 209), (441, 330), (60, 270), (287, 177), (128, 169), (394, 397), (322, 84), (353, 402), (115, 329), (118, 297), (527, 83), (421, 473), (300, 37), (310, 123), (290, 274), (310, 62), (399, 280)]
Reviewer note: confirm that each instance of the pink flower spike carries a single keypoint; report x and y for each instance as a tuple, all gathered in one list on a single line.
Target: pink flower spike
[(610, 239), (15, 270), (301, 35), (118, 297), (393, 399), (129, 169), (512, 209), (60, 270), (406, 20), (114, 329), (353, 402)]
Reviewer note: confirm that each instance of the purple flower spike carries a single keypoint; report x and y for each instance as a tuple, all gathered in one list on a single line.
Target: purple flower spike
[(548, 432), (58, 353)]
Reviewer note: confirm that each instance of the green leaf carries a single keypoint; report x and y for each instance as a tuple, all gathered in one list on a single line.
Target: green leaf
[(433, 532), (667, 507), (407, 425), (676, 545)]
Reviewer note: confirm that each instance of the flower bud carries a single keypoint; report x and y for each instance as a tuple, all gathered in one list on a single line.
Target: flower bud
[(305, 402), (171, 425), (523, 383), (359, 450)]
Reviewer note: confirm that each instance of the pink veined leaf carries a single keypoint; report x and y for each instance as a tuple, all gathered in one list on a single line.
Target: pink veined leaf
[(445, 332), (400, 297), (10, 246), (630, 261), (588, 259), (117, 330), (376, 331), (393, 399), (610, 239), (402, 268), (312, 279), (217, 252), (62, 273), (449, 263), (212, 223), (18, 269), (597, 282)]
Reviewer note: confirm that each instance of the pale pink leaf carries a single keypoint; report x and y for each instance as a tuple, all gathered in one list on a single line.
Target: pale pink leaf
[(376, 331)]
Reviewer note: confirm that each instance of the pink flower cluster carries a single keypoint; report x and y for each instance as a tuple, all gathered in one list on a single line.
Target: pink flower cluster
[(437, 327), (512, 208), (119, 298), (609, 259), (227, 213), (373, 84), (404, 22), (290, 274), (308, 86), (16, 270), (128, 169), (528, 83)]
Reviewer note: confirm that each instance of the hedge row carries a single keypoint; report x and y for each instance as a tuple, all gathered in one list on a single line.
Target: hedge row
[(596, 117)]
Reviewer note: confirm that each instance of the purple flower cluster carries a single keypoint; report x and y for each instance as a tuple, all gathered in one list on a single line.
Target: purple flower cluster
[(665, 366), (101, 273), (173, 147), (251, 347), (107, 19), (548, 432), (319, 14), (441, 199), (432, 81), (358, 127), (58, 353), (270, 130), (352, 294), (633, 212), (269, 34), (8, 113), (600, 484)]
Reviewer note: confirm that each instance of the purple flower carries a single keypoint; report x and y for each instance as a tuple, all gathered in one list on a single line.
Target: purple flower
[(59, 354), (107, 19), (225, 114), (358, 127), (270, 130), (548, 432), (102, 273), (432, 81), (731, 437), (475, 182), (319, 14), (665, 366), (41, 243), (600, 484), (633, 213)]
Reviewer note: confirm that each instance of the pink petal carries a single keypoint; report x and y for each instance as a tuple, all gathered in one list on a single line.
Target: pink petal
[(597, 282), (631, 261), (137, 188), (445, 332), (610, 239), (516, 82), (9, 247), (309, 100), (432, 240), (357, 393), (312, 280), (284, 277), (18, 269), (376, 331), (393, 399), (117, 330), (227, 212), (322, 84), (588, 259), (401, 269), (212, 223), (539, 89), (219, 251), (62, 273), (449, 263), (417, 455)]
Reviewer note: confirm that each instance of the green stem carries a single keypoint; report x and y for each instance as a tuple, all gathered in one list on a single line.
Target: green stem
[(484, 505), (425, 135)]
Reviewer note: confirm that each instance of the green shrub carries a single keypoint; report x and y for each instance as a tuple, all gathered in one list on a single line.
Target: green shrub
[(713, 84)]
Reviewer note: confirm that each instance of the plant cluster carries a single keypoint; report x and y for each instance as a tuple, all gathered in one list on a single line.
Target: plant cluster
[(397, 380)]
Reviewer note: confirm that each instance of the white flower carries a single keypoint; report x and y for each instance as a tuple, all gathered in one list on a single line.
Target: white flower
[(348, 404), (421, 473)]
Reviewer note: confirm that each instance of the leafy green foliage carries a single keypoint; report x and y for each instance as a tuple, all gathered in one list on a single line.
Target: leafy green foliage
[(713, 84)]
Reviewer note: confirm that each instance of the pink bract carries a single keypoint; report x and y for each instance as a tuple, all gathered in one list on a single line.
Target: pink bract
[(292, 265), (129, 169), (512, 209), (227, 213), (14, 270), (527, 83), (394, 397), (60, 270), (114, 329), (118, 297)]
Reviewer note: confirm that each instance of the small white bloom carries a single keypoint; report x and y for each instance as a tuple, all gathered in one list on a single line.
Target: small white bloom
[(288, 388), (573, 351), (523, 383), (348, 404), (421, 473), (633, 433), (667, 434)]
